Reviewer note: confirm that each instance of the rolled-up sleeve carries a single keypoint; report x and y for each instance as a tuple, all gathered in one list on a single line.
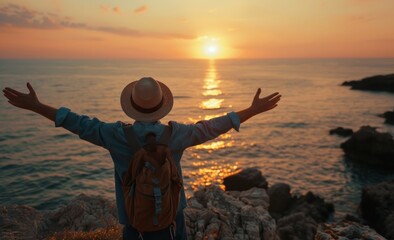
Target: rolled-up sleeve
[(187, 135), (90, 129)]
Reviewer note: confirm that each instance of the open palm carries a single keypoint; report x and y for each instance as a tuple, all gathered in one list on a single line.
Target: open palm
[(269, 102), (22, 100)]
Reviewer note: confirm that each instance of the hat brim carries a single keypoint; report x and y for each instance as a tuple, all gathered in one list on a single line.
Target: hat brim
[(125, 102)]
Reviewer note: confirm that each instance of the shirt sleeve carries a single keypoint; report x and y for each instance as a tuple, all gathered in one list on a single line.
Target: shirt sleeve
[(187, 135), (90, 129)]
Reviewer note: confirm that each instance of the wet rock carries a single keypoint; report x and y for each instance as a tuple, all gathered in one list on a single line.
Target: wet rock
[(296, 226), (370, 146), (374, 83), (301, 216), (244, 180), (280, 197), (340, 131), (346, 230), (377, 207), (20, 222), (313, 206), (389, 116), (229, 215)]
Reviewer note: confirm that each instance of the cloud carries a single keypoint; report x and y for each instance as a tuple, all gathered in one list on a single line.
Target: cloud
[(105, 8), (13, 15), (116, 9), (141, 9)]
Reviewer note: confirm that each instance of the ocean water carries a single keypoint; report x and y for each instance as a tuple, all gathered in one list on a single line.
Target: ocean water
[(44, 167)]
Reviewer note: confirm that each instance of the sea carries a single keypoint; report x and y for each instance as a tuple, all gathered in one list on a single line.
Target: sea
[(44, 167)]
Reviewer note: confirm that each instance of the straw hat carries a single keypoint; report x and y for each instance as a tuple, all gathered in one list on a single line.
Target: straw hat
[(146, 100)]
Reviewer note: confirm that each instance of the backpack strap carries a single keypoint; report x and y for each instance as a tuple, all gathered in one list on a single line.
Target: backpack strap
[(131, 137), (166, 135)]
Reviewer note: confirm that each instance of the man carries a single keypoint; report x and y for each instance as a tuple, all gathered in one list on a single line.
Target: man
[(146, 101)]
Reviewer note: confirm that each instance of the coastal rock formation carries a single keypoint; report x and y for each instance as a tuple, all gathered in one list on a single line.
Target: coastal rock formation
[(215, 214), (374, 83), (389, 116), (346, 230), (296, 226), (280, 198), (20, 222), (84, 213), (297, 216), (340, 131), (377, 207), (283, 204), (370, 146), (244, 180)]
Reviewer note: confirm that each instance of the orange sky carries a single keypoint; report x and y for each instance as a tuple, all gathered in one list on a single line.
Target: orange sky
[(196, 29)]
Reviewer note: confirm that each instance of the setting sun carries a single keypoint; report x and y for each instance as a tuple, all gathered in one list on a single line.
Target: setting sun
[(209, 47), (211, 50)]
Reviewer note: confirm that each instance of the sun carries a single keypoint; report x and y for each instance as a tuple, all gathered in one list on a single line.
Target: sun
[(209, 47), (211, 50)]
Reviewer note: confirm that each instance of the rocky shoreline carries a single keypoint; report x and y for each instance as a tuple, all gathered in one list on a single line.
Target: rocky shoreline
[(212, 213), (373, 83)]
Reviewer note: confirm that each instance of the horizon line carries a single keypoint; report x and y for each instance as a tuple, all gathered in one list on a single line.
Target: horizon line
[(183, 59)]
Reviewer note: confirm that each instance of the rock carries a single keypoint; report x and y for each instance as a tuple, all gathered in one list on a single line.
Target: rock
[(374, 83), (377, 207), (343, 132), (84, 213), (389, 116), (20, 222), (282, 204), (346, 230), (313, 206), (370, 146), (230, 215), (296, 226), (244, 180), (280, 197), (255, 197)]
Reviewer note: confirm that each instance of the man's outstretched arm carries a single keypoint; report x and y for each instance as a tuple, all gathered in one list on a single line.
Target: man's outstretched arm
[(259, 105), (29, 101), (91, 130), (194, 134)]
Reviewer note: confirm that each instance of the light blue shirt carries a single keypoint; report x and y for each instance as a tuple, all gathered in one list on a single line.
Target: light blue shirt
[(111, 136)]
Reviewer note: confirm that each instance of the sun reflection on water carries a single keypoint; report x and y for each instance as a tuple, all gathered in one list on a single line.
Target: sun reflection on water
[(212, 103), (211, 171)]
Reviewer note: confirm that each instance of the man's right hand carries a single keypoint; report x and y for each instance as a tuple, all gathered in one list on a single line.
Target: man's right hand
[(29, 101), (22, 100)]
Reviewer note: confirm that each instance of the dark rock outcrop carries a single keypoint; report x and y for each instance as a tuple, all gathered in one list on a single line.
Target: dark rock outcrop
[(297, 216), (280, 197), (244, 180), (296, 226), (370, 146), (389, 116), (377, 207), (343, 132), (346, 230), (283, 204), (374, 83)]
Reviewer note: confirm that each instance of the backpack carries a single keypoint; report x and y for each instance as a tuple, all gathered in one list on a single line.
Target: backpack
[(152, 184)]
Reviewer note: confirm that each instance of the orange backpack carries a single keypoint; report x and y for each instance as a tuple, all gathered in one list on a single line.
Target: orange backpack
[(152, 184)]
